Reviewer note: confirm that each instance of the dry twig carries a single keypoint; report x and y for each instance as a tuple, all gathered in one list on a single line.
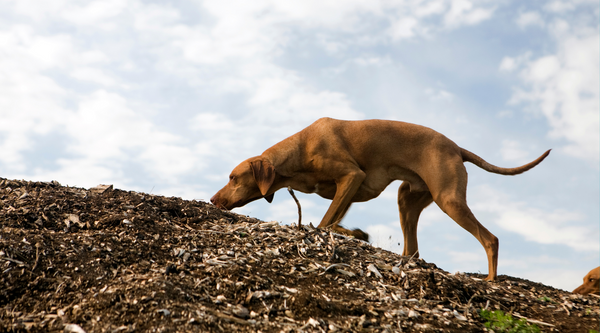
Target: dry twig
[(537, 322), (299, 209)]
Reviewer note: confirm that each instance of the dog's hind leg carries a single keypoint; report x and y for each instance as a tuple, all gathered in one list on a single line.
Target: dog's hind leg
[(451, 198), (410, 205)]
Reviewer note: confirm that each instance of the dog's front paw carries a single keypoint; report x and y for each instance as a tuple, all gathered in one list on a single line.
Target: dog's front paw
[(357, 233)]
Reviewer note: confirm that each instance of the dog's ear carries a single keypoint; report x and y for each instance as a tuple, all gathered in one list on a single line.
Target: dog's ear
[(269, 197), (264, 175)]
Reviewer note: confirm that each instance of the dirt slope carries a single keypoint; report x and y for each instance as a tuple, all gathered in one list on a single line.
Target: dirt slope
[(80, 260)]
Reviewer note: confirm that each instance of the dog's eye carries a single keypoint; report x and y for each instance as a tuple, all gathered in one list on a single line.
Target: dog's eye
[(231, 178)]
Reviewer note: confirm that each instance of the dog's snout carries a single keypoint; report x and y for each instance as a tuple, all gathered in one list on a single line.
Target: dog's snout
[(218, 201)]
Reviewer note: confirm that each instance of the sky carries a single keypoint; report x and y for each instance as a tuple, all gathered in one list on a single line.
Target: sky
[(166, 97)]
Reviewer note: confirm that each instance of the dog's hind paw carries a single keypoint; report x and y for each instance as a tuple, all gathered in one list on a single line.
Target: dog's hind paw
[(359, 234)]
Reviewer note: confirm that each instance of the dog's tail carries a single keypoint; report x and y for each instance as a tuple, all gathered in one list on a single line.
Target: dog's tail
[(478, 161)]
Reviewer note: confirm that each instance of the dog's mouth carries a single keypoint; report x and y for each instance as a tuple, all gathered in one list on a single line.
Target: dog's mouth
[(224, 204), (242, 202)]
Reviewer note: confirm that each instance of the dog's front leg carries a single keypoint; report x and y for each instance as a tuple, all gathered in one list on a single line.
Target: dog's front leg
[(346, 189)]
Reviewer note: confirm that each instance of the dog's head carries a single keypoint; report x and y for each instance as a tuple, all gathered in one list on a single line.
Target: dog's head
[(250, 180), (591, 283)]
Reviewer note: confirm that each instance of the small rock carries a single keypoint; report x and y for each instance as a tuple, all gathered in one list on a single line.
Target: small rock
[(273, 252), (164, 312), (73, 328), (413, 314), (459, 316), (101, 189), (268, 224), (345, 272), (313, 322), (240, 311), (374, 270)]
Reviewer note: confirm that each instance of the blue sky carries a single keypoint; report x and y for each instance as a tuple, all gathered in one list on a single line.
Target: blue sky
[(167, 97)]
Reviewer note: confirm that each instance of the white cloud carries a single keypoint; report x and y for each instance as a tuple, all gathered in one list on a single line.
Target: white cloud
[(93, 75), (314, 105), (286, 210), (82, 172), (558, 226), (509, 64), (505, 114), (527, 19), (542, 69), (98, 14), (30, 101), (422, 18), (105, 127), (167, 159), (388, 237), (466, 261), (359, 62), (213, 122), (101, 130), (439, 94), (429, 8), (565, 88), (564, 273), (512, 151), (217, 133), (188, 192), (467, 258), (403, 28), (463, 12), (560, 6), (566, 279), (431, 216)]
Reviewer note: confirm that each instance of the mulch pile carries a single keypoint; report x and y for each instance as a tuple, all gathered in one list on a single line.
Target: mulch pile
[(106, 260)]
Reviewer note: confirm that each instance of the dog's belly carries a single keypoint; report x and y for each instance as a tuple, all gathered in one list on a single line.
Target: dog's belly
[(417, 184), (328, 191), (377, 181), (374, 183), (367, 190), (365, 194), (325, 190)]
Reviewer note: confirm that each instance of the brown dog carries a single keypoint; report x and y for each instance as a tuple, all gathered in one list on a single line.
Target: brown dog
[(591, 283), (353, 161)]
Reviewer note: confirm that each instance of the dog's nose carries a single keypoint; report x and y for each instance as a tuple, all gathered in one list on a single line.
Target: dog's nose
[(217, 201)]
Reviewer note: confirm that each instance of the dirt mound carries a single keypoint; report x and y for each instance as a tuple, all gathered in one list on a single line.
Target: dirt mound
[(104, 260)]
